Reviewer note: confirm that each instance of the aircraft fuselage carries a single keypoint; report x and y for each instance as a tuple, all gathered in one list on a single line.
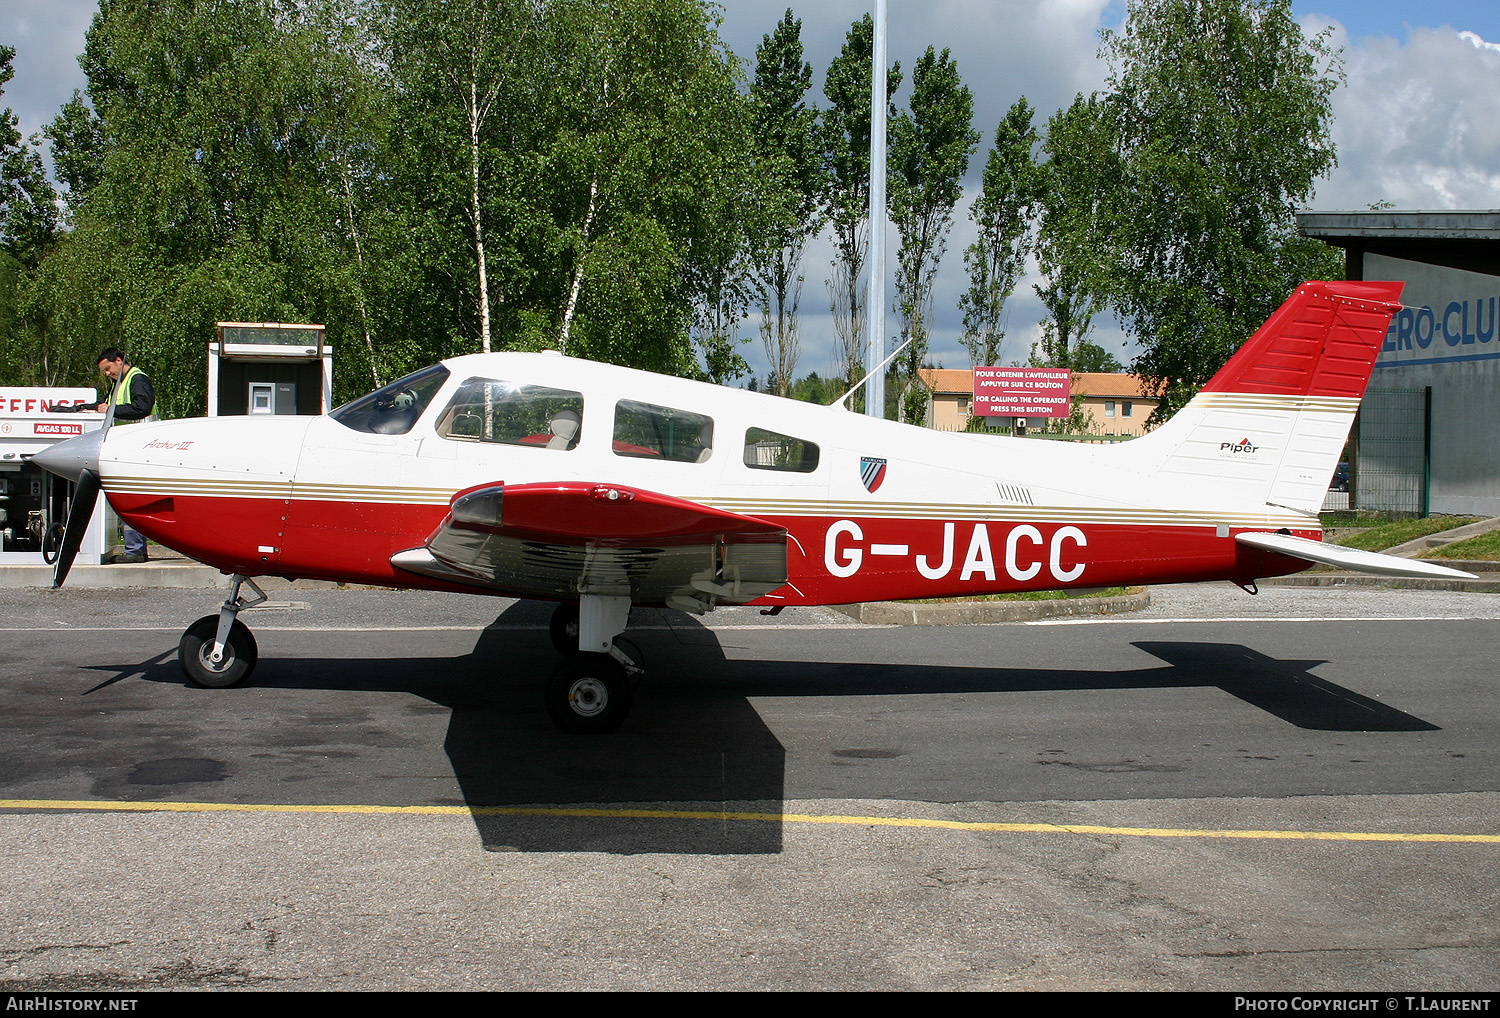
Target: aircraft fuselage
[(873, 510)]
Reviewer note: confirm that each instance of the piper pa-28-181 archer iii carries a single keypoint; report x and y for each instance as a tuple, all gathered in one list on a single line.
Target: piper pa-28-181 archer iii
[(535, 475)]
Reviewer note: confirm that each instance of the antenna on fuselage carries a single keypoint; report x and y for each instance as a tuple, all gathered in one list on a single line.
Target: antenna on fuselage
[(871, 374)]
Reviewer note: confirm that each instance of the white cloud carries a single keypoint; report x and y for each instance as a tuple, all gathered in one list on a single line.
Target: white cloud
[(47, 39), (1417, 124), (1478, 42)]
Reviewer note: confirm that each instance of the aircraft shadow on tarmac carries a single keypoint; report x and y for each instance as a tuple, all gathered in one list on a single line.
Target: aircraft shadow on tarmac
[(694, 741)]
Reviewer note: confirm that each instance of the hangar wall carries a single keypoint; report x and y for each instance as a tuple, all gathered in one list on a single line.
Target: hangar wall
[(1446, 337)]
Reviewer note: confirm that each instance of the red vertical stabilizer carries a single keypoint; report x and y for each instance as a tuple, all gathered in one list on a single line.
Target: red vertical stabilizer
[(1322, 342)]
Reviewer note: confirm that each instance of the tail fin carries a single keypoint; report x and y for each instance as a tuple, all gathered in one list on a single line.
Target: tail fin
[(1269, 427)]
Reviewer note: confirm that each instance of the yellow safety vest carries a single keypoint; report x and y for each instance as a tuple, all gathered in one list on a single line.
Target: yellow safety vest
[(124, 396)]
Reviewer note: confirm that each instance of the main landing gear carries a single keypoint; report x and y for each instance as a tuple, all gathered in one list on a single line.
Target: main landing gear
[(218, 651), (590, 691)]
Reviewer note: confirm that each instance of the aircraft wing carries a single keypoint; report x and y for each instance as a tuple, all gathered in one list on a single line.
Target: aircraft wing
[(560, 540), (1349, 558)]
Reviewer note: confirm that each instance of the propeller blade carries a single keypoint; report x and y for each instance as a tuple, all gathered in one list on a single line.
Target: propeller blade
[(84, 496)]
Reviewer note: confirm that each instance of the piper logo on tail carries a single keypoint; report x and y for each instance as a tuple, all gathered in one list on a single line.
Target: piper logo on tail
[(1243, 446)]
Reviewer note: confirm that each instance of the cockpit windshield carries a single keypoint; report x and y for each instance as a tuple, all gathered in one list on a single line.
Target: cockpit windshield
[(393, 409)]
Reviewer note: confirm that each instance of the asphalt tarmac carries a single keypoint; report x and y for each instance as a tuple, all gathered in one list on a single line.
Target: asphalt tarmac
[(1293, 791)]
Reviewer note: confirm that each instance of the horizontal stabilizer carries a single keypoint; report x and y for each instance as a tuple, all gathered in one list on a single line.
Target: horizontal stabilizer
[(1349, 558)]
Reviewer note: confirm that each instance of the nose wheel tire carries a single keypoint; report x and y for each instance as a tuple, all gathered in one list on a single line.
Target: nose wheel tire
[(588, 694), (196, 647)]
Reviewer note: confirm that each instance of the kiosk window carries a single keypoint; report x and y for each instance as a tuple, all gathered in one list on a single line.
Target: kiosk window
[(658, 432), (767, 450), (490, 410)]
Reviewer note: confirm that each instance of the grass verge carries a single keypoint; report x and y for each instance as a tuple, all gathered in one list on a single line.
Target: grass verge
[(1485, 546), (1388, 535)]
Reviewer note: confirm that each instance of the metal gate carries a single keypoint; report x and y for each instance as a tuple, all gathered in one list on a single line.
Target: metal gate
[(1392, 455)]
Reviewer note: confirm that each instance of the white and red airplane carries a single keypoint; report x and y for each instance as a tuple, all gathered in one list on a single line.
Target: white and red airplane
[(535, 475)]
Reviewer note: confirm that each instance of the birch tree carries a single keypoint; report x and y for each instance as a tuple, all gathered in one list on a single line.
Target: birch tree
[(1219, 114)]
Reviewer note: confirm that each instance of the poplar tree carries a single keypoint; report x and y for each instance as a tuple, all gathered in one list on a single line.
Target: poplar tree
[(1004, 214), (846, 147), (789, 188), (930, 149), (1080, 170)]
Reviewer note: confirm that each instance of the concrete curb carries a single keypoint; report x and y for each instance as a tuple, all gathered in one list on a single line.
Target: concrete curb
[(171, 573), (963, 613), (1486, 584), (158, 573)]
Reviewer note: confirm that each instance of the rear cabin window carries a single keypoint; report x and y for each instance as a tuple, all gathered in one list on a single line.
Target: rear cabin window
[(647, 431), (394, 408), (510, 413), (767, 450)]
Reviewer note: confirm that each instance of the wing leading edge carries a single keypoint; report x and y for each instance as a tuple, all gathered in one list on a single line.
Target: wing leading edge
[(1348, 558), (565, 539)]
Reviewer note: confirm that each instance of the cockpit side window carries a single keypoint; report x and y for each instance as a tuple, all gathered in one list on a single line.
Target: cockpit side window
[(394, 408), (768, 450), (511, 413), (647, 431)]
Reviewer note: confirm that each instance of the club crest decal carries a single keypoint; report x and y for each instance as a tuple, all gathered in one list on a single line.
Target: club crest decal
[(872, 472)]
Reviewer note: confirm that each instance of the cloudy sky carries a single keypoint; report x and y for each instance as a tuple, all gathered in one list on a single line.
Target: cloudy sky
[(1417, 124)]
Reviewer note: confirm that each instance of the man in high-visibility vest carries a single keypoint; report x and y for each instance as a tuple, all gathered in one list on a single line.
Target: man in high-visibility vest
[(135, 401)]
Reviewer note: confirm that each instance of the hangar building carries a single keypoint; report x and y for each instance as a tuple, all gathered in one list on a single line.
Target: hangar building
[(1428, 433)]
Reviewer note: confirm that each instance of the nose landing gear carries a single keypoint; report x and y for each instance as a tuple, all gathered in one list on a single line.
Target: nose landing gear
[(219, 651)]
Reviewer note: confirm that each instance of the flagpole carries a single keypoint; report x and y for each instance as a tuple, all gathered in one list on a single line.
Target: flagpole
[(875, 351)]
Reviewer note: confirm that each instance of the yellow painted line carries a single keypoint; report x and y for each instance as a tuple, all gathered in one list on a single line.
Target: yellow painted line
[(784, 818)]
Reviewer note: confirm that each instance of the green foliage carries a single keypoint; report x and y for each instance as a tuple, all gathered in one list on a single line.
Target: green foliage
[(28, 235), (655, 162), (811, 388), (1003, 213), (930, 149), (28, 203), (77, 149), (1217, 112), (202, 187), (410, 173), (845, 132), (1079, 173), (790, 184), (1093, 357)]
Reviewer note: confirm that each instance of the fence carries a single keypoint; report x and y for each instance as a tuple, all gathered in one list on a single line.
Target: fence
[(1390, 470)]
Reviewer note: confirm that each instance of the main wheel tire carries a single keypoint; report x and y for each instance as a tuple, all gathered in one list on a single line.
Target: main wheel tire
[(588, 693), (564, 627), (198, 643)]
